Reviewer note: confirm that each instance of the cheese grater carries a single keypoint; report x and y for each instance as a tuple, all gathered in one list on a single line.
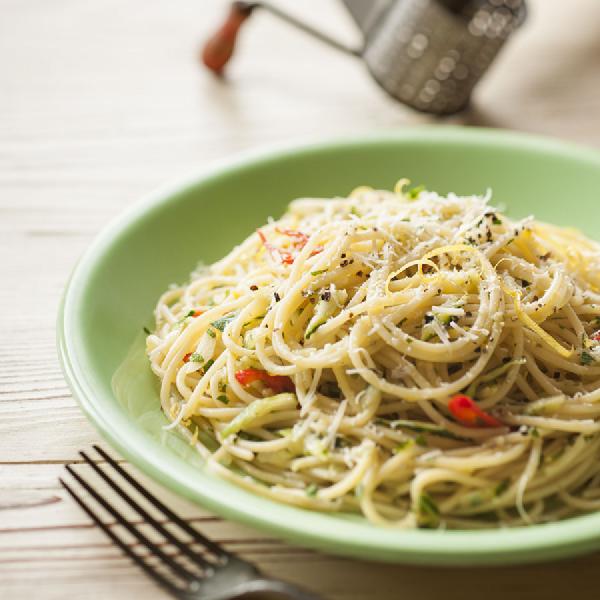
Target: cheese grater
[(428, 54)]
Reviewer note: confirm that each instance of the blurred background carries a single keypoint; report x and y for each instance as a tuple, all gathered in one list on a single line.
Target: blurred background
[(112, 91)]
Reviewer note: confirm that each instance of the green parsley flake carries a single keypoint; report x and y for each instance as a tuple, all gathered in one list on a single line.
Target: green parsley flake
[(312, 490), (223, 398), (221, 323), (211, 333), (413, 193), (196, 357), (403, 446), (501, 487), (586, 358), (428, 507)]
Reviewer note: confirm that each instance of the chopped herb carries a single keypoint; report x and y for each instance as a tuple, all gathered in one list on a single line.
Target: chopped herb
[(221, 323), (191, 313), (534, 432), (196, 357), (315, 273), (211, 333), (413, 193), (586, 358), (496, 220), (209, 364), (223, 398), (421, 441), (146, 330), (312, 490), (402, 446), (476, 500), (354, 211), (427, 507), (421, 427), (501, 487)]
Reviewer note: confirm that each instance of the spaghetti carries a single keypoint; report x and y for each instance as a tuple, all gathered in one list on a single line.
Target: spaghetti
[(420, 359)]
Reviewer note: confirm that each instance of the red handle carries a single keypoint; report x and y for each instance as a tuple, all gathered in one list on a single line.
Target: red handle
[(218, 49)]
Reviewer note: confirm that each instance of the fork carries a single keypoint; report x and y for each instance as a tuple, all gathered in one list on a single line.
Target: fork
[(195, 568)]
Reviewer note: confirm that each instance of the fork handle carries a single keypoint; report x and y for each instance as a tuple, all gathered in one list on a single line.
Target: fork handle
[(279, 589)]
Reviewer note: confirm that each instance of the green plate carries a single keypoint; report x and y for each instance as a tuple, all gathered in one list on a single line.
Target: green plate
[(114, 288)]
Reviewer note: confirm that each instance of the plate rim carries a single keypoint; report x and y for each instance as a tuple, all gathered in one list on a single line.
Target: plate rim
[(482, 547)]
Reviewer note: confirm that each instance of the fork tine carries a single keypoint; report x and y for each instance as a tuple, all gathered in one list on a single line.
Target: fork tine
[(158, 577), (214, 548), (175, 567), (195, 556)]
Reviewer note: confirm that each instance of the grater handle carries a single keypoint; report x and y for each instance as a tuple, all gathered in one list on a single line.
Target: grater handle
[(220, 47)]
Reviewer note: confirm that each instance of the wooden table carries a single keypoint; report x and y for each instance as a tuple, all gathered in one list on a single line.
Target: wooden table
[(103, 100)]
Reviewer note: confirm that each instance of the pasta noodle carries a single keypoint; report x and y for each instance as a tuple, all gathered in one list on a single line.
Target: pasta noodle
[(420, 359)]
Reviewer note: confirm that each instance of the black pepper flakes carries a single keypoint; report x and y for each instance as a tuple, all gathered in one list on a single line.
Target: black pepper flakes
[(253, 287), (277, 297)]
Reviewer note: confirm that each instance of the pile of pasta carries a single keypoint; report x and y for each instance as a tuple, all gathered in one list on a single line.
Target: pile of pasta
[(421, 359)]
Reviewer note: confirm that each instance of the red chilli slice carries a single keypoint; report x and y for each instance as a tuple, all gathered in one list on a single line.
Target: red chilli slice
[(278, 383), (467, 413), (186, 358), (293, 233), (286, 257)]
